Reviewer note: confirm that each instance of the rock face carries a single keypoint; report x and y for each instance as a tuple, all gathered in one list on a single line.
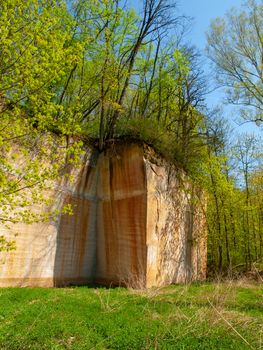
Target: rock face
[(136, 222)]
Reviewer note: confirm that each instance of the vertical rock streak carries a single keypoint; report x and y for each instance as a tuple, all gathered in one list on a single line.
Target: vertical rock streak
[(134, 223)]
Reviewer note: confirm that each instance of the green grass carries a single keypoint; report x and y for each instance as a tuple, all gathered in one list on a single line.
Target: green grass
[(199, 316)]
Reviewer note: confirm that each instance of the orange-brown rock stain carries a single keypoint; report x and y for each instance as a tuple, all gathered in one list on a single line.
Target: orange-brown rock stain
[(122, 217), (131, 225)]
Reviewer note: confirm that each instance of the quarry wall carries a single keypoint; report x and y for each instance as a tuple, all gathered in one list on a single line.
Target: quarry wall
[(137, 221)]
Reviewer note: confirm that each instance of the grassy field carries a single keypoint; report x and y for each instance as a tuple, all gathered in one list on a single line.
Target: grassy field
[(198, 316)]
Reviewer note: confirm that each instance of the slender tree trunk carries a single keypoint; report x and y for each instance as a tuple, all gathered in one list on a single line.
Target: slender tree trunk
[(218, 223), (227, 243), (260, 227), (149, 90), (102, 91), (159, 94)]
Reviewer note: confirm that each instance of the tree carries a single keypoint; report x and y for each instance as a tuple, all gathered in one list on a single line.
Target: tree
[(34, 55), (249, 161), (232, 176), (100, 85), (235, 45)]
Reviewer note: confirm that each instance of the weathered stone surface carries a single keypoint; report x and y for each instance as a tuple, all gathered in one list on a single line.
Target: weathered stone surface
[(136, 222), (121, 216), (176, 228)]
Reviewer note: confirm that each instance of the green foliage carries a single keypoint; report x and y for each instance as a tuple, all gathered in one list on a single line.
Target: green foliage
[(6, 245), (234, 210), (36, 52)]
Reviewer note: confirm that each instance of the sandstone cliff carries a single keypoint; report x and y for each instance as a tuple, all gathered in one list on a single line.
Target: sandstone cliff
[(137, 221)]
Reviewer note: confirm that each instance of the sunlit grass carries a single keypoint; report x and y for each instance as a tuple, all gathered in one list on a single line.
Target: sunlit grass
[(198, 316)]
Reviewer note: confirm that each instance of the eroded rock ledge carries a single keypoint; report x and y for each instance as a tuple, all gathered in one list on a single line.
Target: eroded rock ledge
[(137, 221)]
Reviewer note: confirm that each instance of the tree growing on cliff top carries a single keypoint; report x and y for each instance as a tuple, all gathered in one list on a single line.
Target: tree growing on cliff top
[(101, 85), (235, 45), (131, 81)]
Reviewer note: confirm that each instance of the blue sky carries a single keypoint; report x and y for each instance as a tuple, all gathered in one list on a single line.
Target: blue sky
[(202, 12)]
